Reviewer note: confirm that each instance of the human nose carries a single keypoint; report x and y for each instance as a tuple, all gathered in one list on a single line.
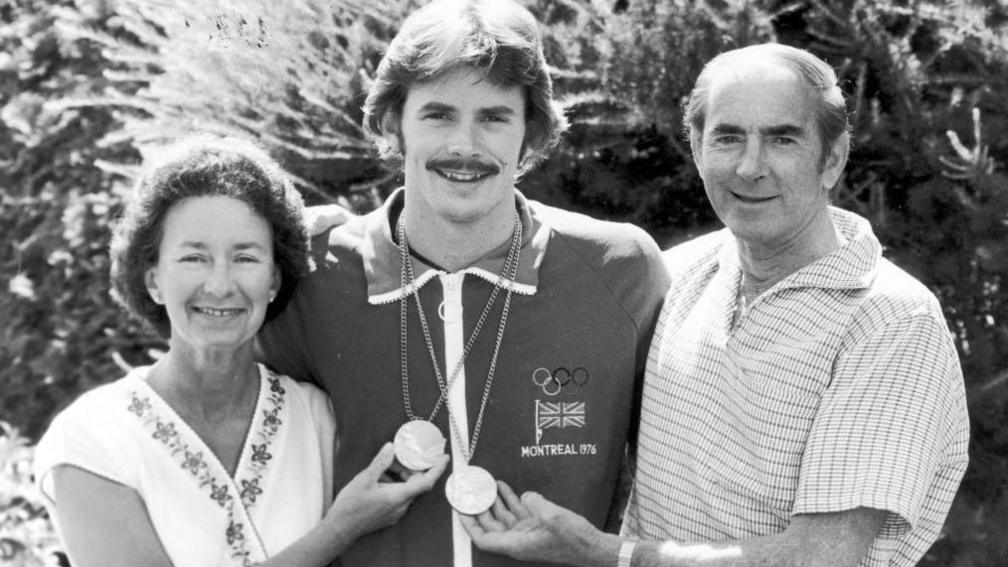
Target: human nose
[(219, 280), (463, 140), (752, 165)]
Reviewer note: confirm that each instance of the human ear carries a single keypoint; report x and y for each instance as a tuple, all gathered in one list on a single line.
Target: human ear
[(275, 286), (391, 126), (695, 148), (150, 280), (835, 162)]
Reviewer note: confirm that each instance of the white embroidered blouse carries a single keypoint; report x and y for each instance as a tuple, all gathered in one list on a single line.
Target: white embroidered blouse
[(125, 432)]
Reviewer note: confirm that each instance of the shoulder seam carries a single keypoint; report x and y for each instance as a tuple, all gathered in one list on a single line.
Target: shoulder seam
[(597, 271)]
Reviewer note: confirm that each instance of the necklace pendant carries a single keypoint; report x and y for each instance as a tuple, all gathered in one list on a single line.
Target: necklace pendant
[(418, 444), (471, 490)]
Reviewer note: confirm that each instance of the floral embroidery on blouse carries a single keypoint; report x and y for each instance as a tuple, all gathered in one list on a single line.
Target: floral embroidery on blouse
[(139, 405), (164, 431), (194, 462), (219, 492), (260, 454), (162, 427), (275, 387), (272, 422), (250, 490), (234, 533)]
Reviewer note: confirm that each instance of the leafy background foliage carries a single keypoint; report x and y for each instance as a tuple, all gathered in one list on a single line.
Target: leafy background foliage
[(88, 87)]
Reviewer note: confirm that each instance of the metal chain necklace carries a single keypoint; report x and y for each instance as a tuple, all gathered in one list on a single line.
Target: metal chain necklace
[(470, 489), (509, 272)]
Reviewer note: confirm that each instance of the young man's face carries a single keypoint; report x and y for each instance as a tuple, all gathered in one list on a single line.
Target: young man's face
[(761, 159), (461, 139)]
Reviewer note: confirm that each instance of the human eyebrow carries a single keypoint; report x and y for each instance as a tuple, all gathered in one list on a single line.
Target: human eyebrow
[(727, 130), (500, 110), (254, 246), (435, 107), (784, 130)]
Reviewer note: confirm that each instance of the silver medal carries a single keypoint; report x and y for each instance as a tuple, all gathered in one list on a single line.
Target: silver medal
[(471, 490), (418, 444)]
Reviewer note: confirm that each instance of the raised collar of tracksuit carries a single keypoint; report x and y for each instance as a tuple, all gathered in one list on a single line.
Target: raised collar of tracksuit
[(851, 266), (382, 263)]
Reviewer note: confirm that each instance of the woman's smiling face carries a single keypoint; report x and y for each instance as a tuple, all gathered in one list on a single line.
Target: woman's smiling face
[(215, 272)]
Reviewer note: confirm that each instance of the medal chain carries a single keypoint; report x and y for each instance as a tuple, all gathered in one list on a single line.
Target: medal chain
[(407, 280), (509, 271)]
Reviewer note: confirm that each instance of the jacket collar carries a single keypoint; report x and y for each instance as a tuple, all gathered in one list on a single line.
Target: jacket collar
[(382, 265)]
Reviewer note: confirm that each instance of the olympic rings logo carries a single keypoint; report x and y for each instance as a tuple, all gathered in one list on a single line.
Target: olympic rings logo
[(560, 380)]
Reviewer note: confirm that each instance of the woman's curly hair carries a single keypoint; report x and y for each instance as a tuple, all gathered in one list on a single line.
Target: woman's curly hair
[(202, 166)]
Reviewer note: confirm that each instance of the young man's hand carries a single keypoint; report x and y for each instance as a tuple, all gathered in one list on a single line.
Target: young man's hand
[(321, 218)]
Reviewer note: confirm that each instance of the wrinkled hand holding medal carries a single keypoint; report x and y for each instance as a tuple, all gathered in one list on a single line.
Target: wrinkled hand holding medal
[(418, 443)]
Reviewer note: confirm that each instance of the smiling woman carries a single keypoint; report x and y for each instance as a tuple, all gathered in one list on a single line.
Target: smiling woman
[(206, 458), (202, 167), (214, 279)]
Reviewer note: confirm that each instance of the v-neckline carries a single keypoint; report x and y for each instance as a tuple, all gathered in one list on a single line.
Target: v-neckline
[(254, 424), (234, 495)]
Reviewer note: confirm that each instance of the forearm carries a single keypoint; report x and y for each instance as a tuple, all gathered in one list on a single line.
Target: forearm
[(317, 548), (599, 549), (836, 539), (771, 550), (364, 505), (595, 549)]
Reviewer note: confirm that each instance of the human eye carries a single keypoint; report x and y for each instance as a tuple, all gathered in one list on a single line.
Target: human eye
[(247, 259), (193, 259), (496, 118), (435, 115), (784, 140), (727, 139)]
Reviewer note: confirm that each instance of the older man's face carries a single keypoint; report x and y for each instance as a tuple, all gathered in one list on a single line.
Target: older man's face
[(760, 158)]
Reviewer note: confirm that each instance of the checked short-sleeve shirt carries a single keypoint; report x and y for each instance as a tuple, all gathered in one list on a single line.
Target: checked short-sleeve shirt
[(840, 388)]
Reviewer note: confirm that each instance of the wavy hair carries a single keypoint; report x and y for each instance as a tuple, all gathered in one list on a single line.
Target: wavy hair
[(202, 166), (498, 38)]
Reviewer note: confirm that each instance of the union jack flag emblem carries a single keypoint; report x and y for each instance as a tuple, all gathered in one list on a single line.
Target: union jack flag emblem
[(558, 414)]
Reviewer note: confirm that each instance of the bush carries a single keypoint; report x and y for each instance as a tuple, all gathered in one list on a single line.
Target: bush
[(87, 87), (26, 537), (60, 331)]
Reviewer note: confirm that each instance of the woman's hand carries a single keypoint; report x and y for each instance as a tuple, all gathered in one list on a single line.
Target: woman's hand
[(368, 503)]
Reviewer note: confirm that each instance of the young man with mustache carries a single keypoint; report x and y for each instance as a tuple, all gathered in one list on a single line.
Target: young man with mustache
[(460, 309)]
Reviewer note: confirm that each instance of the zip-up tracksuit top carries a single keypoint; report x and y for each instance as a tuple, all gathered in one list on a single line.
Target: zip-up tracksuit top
[(561, 406)]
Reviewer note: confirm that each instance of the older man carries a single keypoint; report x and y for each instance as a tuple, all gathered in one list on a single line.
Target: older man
[(803, 403), (462, 310)]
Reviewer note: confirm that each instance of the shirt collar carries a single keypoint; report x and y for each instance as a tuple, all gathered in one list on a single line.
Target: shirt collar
[(382, 264), (851, 266)]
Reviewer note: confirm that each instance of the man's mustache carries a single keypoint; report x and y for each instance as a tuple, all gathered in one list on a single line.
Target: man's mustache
[(459, 164)]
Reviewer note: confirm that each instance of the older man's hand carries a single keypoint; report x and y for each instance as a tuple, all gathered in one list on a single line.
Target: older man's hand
[(532, 528)]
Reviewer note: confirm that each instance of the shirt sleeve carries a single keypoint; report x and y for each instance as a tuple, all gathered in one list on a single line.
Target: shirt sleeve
[(885, 424), (88, 435), (641, 280)]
